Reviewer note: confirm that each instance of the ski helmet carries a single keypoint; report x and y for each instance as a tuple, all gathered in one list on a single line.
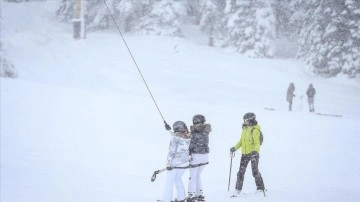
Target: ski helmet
[(199, 119), (180, 127), (249, 117)]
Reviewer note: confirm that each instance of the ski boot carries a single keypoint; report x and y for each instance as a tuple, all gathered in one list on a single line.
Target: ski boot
[(200, 198), (190, 199), (262, 190)]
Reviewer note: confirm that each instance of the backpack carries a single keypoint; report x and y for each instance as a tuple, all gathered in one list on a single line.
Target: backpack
[(261, 136)]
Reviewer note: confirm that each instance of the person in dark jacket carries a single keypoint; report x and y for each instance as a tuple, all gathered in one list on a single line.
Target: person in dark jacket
[(199, 151), (290, 95), (311, 93)]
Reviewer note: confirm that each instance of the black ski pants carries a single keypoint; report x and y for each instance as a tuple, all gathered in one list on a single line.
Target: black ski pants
[(245, 158)]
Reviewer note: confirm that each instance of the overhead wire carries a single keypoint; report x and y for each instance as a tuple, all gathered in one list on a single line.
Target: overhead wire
[(133, 59)]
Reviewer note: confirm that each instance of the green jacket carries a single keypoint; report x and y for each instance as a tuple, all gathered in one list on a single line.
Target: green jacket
[(249, 141)]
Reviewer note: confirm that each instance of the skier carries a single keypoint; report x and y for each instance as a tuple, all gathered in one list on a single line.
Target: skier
[(199, 151), (250, 144), (290, 95), (177, 161), (311, 93)]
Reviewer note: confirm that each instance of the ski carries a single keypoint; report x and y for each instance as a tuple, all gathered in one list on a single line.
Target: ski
[(161, 201), (249, 193), (239, 195), (188, 200), (335, 115)]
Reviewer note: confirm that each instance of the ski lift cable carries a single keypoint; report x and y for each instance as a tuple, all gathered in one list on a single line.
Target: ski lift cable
[(137, 67)]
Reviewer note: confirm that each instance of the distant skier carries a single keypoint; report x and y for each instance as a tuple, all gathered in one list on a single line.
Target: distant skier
[(311, 93), (250, 146), (199, 151), (290, 95), (177, 161)]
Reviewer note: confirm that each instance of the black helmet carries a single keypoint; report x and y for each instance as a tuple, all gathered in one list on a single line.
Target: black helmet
[(249, 116), (199, 119), (180, 127)]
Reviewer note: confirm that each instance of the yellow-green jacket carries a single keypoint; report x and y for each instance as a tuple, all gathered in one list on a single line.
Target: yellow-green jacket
[(249, 141)]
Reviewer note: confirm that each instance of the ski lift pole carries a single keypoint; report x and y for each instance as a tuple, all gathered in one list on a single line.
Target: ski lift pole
[(133, 59), (79, 19)]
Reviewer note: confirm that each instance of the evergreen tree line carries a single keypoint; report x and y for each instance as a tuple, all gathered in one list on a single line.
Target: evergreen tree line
[(6, 66), (327, 31)]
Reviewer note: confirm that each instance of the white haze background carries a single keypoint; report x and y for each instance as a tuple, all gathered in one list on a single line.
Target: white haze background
[(78, 124)]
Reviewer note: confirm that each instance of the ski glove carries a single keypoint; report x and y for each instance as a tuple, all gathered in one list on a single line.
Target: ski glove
[(232, 149), (167, 127), (168, 168)]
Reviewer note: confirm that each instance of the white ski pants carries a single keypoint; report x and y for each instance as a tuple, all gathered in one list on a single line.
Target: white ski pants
[(195, 184), (173, 177)]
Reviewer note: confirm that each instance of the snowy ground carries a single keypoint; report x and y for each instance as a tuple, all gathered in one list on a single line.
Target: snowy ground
[(79, 125)]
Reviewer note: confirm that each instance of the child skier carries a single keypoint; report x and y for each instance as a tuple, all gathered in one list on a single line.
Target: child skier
[(199, 151), (250, 145), (177, 161)]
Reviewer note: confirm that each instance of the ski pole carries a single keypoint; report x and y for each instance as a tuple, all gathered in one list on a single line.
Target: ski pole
[(232, 154), (153, 178)]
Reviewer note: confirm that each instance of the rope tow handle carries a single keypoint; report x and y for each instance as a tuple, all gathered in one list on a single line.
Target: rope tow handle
[(133, 59), (153, 178)]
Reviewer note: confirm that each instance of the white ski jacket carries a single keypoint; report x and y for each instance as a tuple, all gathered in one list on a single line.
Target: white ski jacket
[(178, 155)]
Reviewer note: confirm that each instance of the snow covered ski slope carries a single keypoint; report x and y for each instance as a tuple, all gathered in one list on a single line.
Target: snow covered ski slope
[(78, 123)]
